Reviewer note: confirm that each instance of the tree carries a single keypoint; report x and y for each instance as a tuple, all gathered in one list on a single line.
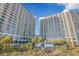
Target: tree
[(38, 40), (5, 39), (7, 48), (26, 46), (69, 44), (29, 40), (4, 43), (1, 46), (34, 40)]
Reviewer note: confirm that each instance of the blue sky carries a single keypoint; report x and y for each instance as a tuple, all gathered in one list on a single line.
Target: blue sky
[(42, 9)]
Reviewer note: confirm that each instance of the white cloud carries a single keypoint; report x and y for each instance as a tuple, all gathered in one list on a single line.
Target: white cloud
[(70, 6)]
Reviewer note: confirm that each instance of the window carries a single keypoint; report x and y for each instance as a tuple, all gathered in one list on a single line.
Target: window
[(8, 4), (3, 16), (11, 14), (6, 8), (1, 20), (11, 17), (4, 13)]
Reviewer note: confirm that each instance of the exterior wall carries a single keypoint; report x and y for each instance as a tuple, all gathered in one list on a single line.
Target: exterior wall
[(62, 25), (16, 20)]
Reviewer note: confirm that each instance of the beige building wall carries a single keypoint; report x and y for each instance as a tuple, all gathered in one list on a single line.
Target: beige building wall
[(62, 25), (16, 20)]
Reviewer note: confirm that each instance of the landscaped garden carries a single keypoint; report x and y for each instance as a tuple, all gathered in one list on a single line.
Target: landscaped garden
[(60, 47)]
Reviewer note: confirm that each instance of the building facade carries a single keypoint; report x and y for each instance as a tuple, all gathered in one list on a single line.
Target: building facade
[(16, 21), (61, 26)]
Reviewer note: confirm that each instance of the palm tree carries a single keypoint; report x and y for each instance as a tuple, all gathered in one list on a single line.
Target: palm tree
[(6, 39), (5, 42)]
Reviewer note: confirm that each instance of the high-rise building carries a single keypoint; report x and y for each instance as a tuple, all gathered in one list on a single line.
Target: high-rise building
[(16, 21), (61, 26)]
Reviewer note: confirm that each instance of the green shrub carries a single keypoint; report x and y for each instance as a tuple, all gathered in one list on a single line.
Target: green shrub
[(56, 41), (37, 39), (26, 46), (5, 39), (7, 48)]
